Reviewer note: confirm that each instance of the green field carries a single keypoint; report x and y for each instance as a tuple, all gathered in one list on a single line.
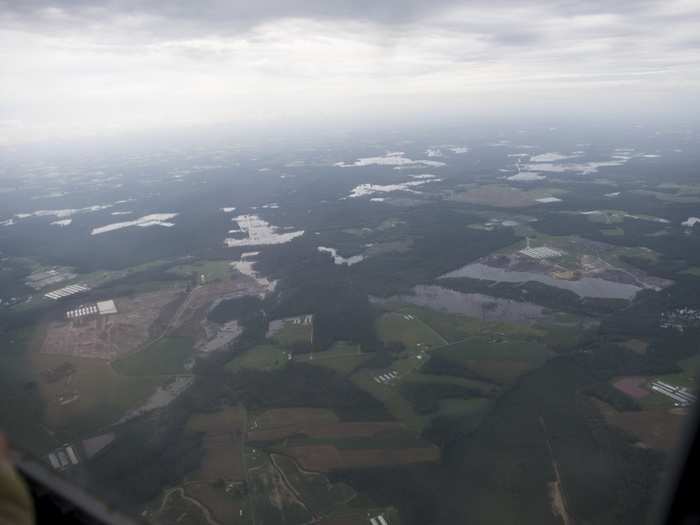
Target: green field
[(166, 356), (454, 327), (613, 232), (412, 332), (484, 388), (292, 333), (104, 394), (399, 407), (693, 270), (343, 357), (496, 348), (211, 270), (261, 357), (463, 407), (688, 376)]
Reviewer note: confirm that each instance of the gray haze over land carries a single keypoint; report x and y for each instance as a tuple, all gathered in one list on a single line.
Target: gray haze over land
[(73, 68)]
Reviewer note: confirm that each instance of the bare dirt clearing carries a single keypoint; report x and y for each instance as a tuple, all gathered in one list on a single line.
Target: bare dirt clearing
[(113, 335)]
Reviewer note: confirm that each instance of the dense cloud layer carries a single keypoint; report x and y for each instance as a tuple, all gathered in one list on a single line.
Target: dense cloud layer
[(80, 67)]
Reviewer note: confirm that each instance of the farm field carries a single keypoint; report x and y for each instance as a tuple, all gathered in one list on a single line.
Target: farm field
[(222, 458), (166, 356), (501, 195), (326, 458), (291, 332), (659, 428), (409, 330), (342, 357), (227, 420), (211, 270), (454, 327), (688, 377), (103, 395), (340, 430), (397, 406), (261, 357), (484, 388), (223, 442)]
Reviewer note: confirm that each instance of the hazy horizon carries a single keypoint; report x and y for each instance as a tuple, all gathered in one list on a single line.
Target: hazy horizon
[(76, 69)]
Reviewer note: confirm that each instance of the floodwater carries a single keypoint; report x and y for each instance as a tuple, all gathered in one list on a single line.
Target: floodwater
[(259, 232), (162, 397), (339, 259), (476, 305), (222, 336), (584, 287)]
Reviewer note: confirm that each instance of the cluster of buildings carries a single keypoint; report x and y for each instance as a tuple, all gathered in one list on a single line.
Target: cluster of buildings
[(99, 308), (69, 455), (63, 457), (541, 252), (680, 318), (386, 378), (680, 395), (66, 291), (39, 280)]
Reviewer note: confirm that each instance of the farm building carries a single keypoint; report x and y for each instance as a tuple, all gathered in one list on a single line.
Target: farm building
[(101, 308), (66, 291), (541, 252), (63, 457)]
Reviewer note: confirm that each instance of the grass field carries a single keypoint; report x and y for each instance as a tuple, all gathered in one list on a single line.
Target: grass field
[(261, 357), (166, 356), (391, 398), (408, 329), (486, 389), (211, 270), (496, 348), (292, 333), (688, 377), (499, 360), (463, 407), (343, 357), (693, 270), (657, 428), (228, 420), (636, 345), (104, 394), (453, 327), (613, 232), (223, 440)]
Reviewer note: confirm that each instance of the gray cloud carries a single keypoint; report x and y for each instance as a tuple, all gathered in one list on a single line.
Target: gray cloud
[(79, 66)]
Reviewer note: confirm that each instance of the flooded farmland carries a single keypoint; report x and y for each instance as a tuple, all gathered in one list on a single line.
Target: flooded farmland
[(477, 305), (584, 287)]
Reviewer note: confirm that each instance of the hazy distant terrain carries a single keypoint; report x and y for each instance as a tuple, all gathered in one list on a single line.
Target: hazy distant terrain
[(487, 325)]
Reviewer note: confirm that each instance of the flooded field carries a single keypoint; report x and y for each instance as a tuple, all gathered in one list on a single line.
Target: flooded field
[(162, 397), (476, 305), (339, 259), (584, 287), (258, 232)]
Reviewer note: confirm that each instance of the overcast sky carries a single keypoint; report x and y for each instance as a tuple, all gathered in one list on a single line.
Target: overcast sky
[(76, 67)]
